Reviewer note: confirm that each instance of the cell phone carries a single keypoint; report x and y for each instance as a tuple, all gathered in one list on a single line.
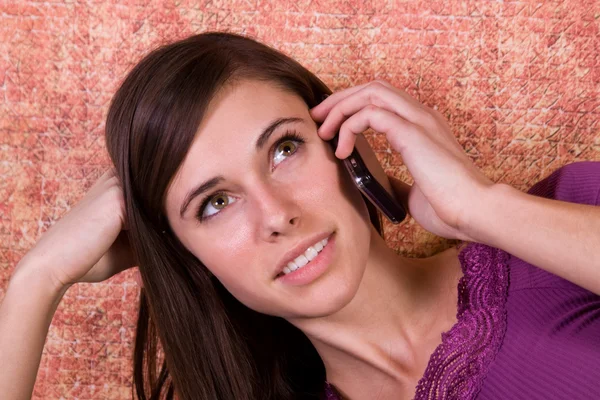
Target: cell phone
[(375, 185)]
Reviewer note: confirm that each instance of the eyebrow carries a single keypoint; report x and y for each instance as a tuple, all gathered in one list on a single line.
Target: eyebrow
[(268, 131), (260, 143), (209, 184)]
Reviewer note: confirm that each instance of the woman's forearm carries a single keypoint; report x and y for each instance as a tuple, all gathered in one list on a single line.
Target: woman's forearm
[(560, 237), (25, 316)]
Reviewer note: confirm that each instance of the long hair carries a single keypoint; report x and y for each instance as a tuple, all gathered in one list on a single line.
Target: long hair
[(194, 339)]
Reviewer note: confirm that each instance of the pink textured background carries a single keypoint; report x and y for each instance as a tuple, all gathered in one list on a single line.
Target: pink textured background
[(518, 81)]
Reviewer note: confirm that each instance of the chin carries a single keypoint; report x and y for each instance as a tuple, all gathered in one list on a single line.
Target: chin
[(321, 305), (332, 294)]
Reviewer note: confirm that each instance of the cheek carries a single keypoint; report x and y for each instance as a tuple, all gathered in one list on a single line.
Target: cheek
[(327, 198), (227, 258), (332, 187), (233, 261)]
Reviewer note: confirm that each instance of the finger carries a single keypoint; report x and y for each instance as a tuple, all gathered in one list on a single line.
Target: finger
[(108, 175), (398, 130), (320, 111), (138, 278), (346, 140), (125, 218), (376, 94), (354, 125), (101, 181)]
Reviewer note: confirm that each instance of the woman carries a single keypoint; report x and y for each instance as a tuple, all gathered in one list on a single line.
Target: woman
[(264, 273)]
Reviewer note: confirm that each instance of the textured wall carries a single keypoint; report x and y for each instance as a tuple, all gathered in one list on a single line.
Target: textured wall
[(518, 80)]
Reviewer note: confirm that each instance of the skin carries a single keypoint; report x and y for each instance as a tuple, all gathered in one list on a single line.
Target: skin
[(375, 318), (274, 207)]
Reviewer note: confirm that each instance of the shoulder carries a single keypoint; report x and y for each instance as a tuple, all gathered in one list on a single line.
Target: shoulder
[(578, 182)]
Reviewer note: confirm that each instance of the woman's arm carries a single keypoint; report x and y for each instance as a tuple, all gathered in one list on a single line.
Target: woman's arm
[(88, 244), (452, 198), (25, 315), (560, 237)]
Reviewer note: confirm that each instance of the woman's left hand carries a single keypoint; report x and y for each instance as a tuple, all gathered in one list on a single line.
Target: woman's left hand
[(447, 187)]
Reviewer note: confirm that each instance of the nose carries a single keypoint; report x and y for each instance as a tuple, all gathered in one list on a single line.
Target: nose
[(278, 213)]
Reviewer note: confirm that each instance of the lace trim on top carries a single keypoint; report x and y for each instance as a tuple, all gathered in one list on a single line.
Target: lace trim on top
[(459, 364), (331, 393)]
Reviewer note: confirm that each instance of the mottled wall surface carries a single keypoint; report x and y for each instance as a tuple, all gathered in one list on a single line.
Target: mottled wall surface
[(518, 81)]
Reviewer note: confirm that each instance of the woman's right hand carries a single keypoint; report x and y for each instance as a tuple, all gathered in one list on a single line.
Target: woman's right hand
[(88, 244)]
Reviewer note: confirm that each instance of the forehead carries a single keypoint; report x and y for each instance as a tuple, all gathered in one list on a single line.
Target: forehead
[(239, 111), (227, 134)]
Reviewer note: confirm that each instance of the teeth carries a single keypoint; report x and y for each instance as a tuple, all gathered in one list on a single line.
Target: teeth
[(291, 266), (310, 253), (301, 261), (305, 258)]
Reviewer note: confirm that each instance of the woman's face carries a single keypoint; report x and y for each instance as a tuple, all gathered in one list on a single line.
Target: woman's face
[(271, 190)]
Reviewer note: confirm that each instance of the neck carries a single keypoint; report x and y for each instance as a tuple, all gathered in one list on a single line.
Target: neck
[(394, 321)]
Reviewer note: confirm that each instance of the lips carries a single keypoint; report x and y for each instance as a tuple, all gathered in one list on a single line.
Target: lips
[(299, 249)]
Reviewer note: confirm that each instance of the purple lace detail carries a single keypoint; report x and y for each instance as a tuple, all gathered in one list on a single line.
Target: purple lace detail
[(460, 363), (330, 392)]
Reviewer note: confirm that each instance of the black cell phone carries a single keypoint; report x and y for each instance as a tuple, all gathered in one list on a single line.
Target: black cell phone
[(367, 183)]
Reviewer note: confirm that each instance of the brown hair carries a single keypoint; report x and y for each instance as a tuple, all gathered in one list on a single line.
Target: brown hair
[(214, 347)]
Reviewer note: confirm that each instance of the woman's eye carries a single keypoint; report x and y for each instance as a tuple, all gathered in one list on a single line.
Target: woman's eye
[(216, 204), (284, 150)]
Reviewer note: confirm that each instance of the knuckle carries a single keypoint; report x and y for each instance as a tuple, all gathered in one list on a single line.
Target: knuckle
[(347, 125), (430, 120), (371, 108), (116, 194), (372, 89), (376, 86), (421, 130), (340, 114), (381, 82), (113, 180), (437, 115)]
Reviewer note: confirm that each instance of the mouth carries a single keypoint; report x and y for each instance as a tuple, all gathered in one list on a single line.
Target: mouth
[(305, 259)]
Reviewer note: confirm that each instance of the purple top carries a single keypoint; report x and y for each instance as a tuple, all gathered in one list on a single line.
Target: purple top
[(521, 332)]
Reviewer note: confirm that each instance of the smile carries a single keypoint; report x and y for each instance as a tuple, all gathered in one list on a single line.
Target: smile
[(305, 258), (307, 262)]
